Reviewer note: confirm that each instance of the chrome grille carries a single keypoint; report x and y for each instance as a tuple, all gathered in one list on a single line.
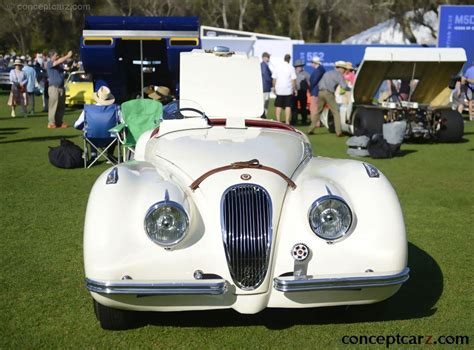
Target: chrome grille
[(247, 233)]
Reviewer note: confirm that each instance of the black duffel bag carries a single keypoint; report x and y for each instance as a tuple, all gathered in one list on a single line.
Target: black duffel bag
[(378, 147), (67, 155)]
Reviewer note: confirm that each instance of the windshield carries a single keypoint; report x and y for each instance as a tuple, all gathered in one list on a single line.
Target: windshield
[(80, 77), (181, 109)]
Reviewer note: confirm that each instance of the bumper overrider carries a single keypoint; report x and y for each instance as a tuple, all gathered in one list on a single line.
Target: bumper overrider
[(220, 286)]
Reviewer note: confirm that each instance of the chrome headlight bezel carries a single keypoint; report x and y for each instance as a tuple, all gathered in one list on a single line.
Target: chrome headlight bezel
[(157, 206), (322, 200)]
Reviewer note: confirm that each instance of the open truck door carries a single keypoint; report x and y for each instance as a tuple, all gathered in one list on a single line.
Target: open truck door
[(128, 53)]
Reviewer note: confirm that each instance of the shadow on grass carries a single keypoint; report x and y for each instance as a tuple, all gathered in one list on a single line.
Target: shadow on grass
[(404, 152), (416, 299), (11, 129), (39, 139), (30, 116)]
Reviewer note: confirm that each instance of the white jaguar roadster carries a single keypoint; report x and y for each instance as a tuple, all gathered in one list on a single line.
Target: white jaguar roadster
[(222, 209)]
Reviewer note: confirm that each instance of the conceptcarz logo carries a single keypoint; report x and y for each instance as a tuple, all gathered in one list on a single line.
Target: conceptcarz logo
[(46, 7), (398, 339)]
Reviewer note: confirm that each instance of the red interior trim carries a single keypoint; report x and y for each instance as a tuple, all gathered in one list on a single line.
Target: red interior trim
[(259, 123), (155, 132)]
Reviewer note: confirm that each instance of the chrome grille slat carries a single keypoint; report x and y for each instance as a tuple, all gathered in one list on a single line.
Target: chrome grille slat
[(247, 233)]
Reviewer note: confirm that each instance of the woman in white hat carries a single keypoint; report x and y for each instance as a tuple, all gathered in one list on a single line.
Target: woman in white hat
[(18, 90), (102, 97)]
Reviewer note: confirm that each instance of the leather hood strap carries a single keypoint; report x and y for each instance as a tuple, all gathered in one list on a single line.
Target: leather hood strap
[(251, 164)]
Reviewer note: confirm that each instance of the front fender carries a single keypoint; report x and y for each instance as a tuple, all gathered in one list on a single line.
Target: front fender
[(115, 218), (376, 242)]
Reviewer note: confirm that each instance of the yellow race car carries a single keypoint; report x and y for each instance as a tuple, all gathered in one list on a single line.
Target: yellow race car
[(79, 89)]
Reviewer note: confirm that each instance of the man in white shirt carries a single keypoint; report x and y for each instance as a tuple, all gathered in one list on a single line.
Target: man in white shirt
[(284, 84)]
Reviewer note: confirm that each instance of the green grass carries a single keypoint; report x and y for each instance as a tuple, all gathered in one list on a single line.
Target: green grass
[(44, 304)]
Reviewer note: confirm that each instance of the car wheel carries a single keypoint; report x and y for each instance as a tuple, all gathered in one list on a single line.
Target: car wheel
[(368, 121), (113, 319), (451, 128)]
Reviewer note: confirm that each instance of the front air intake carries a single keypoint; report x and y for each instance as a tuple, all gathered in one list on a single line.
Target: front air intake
[(247, 233)]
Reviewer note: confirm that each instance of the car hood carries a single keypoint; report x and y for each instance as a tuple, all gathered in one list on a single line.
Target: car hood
[(433, 67), (197, 151)]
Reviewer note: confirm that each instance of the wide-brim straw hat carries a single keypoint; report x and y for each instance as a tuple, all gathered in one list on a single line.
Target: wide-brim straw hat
[(340, 64), (18, 62), (157, 92), (349, 66), (103, 96)]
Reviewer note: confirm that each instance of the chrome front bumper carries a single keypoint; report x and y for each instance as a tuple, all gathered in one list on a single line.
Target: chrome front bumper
[(292, 284), (210, 286)]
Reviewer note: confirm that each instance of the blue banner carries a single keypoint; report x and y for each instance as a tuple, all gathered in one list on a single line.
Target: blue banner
[(330, 53), (456, 29)]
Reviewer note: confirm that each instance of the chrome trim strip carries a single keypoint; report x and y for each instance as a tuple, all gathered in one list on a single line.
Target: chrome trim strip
[(210, 287), (372, 171), (291, 284), (140, 33), (112, 177)]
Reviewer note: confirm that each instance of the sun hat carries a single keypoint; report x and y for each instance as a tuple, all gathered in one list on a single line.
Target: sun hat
[(298, 63), (18, 62), (157, 92), (316, 59), (340, 64), (349, 66), (103, 96)]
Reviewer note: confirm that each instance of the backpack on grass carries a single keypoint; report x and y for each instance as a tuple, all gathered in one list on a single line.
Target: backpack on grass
[(67, 155)]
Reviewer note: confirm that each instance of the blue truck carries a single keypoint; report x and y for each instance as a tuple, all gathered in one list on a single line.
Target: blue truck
[(129, 53)]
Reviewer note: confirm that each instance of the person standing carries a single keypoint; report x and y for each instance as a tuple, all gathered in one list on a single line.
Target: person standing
[(315, 78), (56, 89), (327, 87), (302, 85), (42, 77), (468, 79), (266, 80), (30, 74), (18, 89), (284, 83)]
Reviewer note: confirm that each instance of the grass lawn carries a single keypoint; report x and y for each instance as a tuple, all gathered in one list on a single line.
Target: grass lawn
[(44, 303)]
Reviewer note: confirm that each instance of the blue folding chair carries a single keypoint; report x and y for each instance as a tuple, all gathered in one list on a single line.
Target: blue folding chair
[(97, 122)]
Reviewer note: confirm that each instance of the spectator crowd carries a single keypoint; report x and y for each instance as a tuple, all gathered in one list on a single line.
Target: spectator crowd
[(298, 91), (39, 74)]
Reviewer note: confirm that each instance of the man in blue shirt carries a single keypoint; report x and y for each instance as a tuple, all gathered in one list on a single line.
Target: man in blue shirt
[(314, 80), (30, 74), (266, 80), (57, 98)]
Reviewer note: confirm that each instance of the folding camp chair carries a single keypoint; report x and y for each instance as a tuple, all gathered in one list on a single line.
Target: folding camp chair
[(138, 116), (97, 122)]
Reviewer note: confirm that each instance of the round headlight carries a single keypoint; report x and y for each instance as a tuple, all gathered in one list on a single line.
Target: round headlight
[(166, 223), (330, 217)]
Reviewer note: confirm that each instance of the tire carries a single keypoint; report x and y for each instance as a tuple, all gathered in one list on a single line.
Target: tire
[(331, 126), (452, 127), (113, 319), (368, 121)]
